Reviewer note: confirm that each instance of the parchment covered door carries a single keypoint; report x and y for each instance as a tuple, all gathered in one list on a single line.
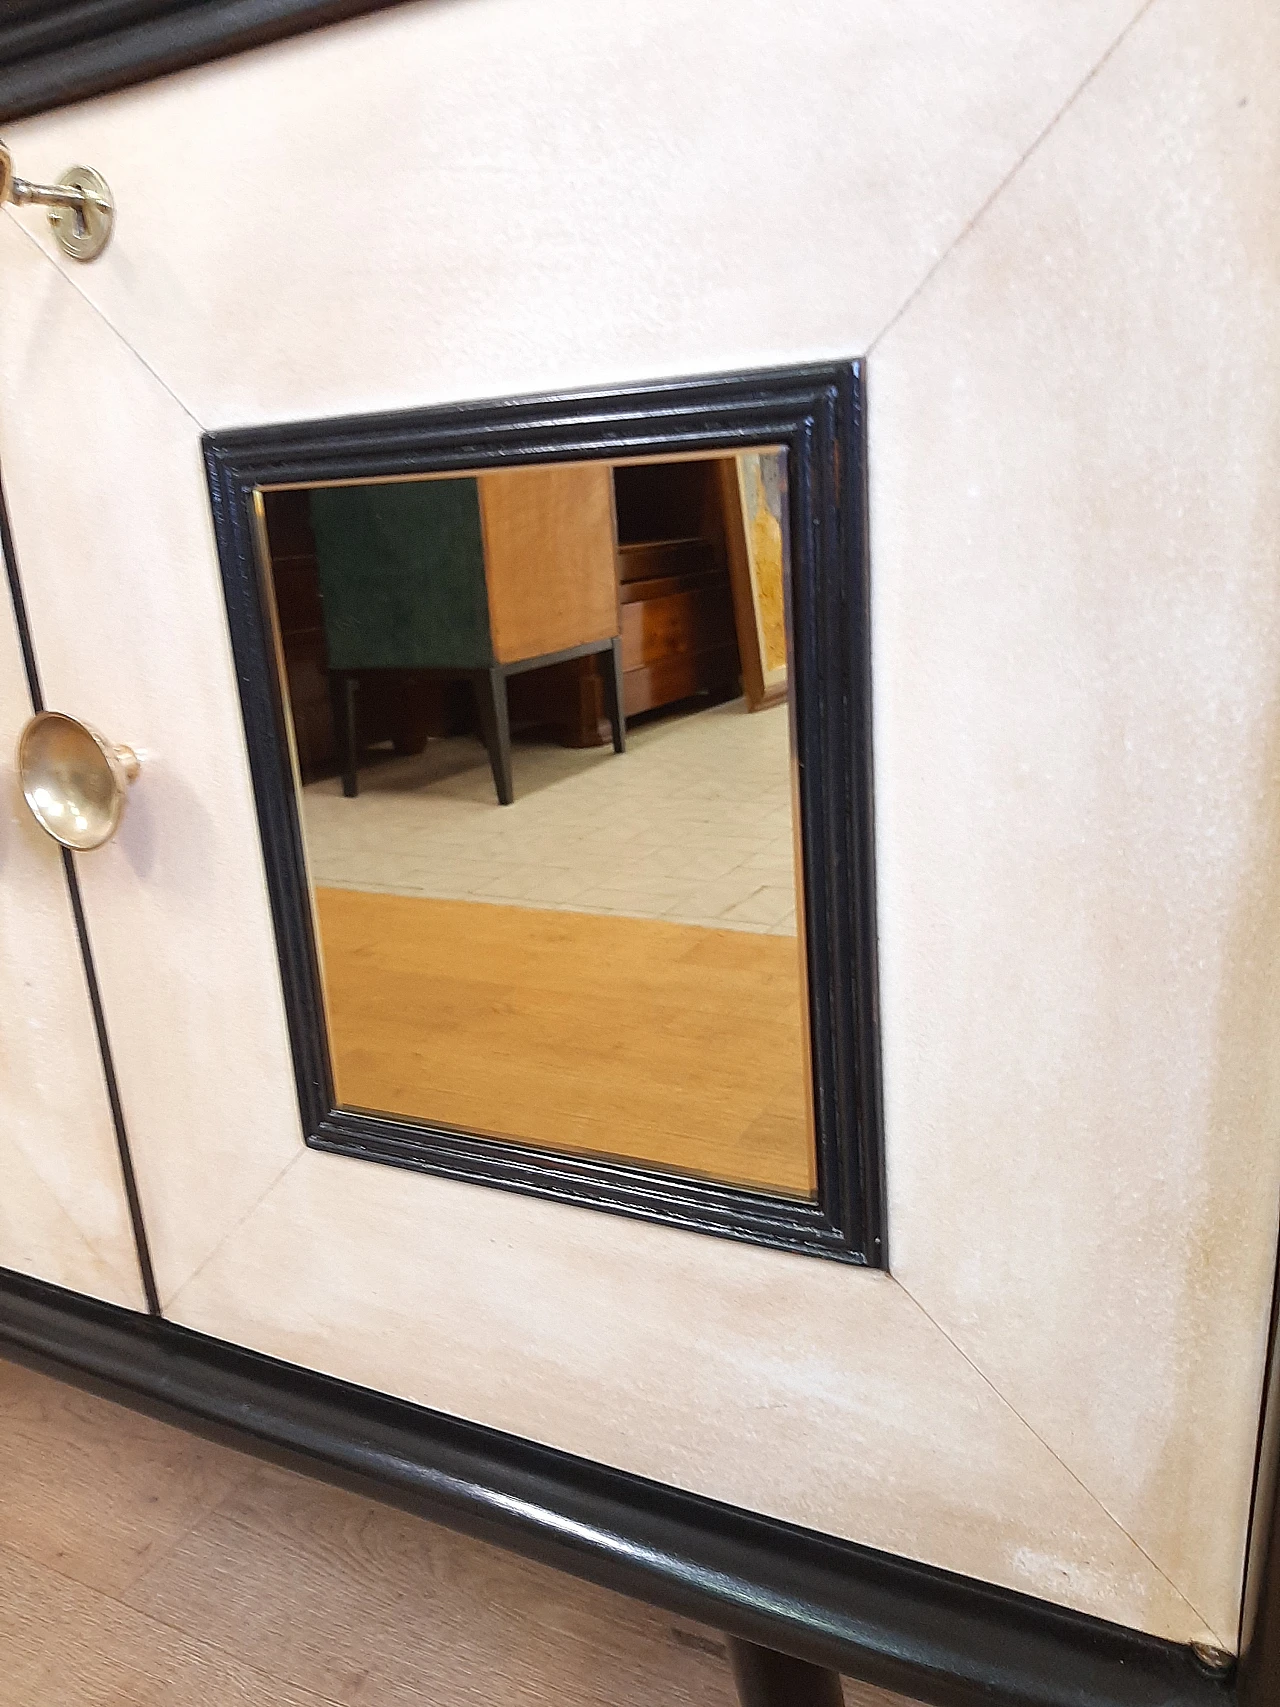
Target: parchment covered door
[(64, 1209)]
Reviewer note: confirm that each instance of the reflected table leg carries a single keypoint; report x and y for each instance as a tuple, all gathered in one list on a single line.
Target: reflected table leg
[(491, 697), (343, 686), (612, 662)]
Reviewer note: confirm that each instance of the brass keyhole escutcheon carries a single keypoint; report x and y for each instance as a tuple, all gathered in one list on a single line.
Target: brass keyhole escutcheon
[(82, 229), (81, 211), (75, 782)]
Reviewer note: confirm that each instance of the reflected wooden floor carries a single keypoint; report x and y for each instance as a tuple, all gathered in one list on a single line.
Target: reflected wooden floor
[(661, 1043)]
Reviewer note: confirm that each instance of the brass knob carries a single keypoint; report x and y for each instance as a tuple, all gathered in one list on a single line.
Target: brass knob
[(75, 781)]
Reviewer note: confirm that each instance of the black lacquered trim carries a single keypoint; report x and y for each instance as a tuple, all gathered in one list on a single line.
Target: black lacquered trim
[(818, 415), (943, 1639), (56, 53), (1259, 1681), (128, 1176)]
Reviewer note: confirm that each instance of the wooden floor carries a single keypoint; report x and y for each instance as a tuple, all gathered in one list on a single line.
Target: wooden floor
[(656, 1042), (141, 1567)]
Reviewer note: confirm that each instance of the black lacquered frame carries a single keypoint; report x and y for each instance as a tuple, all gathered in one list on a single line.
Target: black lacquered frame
[(818, 415), (55, 51)]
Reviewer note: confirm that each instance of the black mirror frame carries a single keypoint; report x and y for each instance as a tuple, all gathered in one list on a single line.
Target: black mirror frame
[(818, 414), (57, 51)]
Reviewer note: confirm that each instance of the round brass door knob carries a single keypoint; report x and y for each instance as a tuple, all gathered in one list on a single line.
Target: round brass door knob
[(74, 780)]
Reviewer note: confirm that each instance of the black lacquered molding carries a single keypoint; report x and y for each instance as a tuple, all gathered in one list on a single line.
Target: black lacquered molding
[(818, 415), (1259, 1681), (56, 51), (942, 1639)]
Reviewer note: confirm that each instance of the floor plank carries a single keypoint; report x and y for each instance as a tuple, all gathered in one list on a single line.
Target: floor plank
[(96, 1492), (64, 1645), (289, 1593), (367, 1606)]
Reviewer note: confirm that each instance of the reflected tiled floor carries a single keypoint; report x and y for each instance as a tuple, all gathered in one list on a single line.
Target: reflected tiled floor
[(693, 824)]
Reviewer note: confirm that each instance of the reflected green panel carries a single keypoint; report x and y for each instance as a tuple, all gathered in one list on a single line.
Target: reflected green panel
[(402, 575)]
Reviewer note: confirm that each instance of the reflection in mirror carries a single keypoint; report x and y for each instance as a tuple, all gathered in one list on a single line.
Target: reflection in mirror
[(541, 726)]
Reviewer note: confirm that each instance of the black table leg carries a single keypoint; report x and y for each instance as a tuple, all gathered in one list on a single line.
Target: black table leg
[(766, 1678), (342, 693), (612, 662), (491, 699)]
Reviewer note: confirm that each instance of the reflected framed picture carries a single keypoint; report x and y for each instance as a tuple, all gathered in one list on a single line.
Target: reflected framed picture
[(759, 569)]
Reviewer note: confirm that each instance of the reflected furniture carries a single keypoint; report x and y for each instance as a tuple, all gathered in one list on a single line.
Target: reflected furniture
[(477, 578), (679, 636)]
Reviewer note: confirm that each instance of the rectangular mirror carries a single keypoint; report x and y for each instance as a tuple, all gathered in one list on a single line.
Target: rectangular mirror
[(566, 820), (542, 727)]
